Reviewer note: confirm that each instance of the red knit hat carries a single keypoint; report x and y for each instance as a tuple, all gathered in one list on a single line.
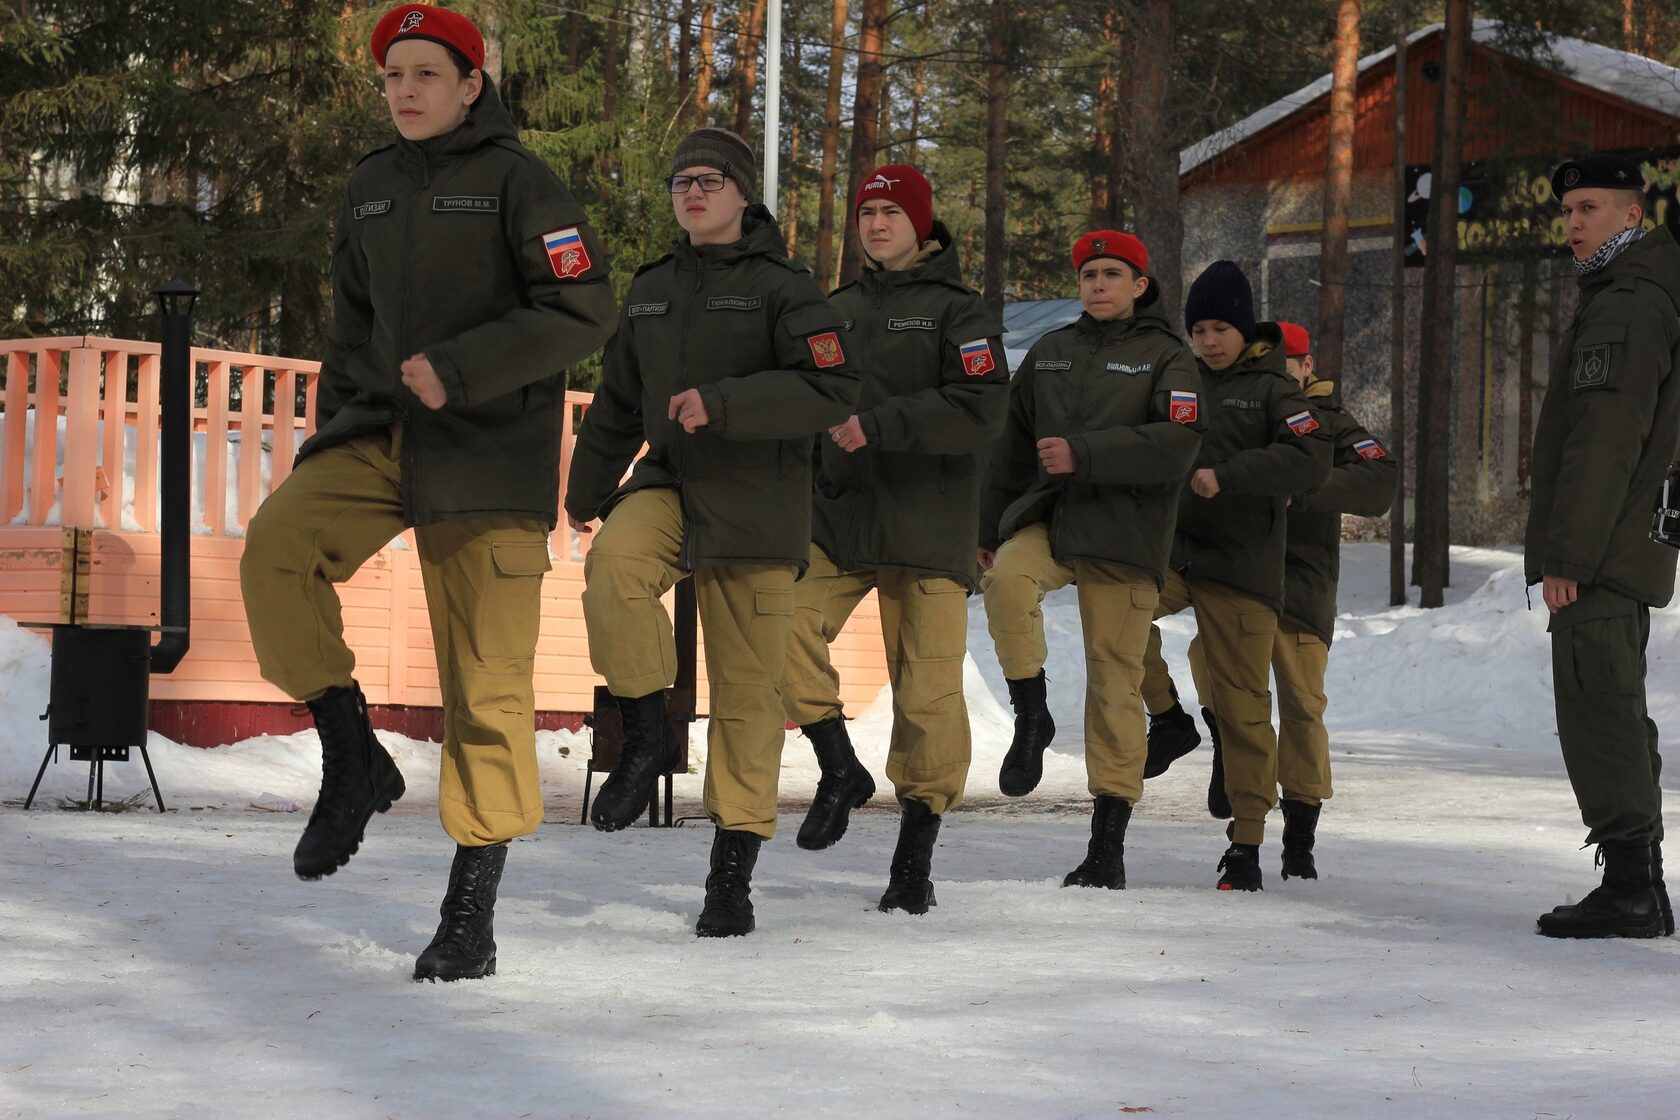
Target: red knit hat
[(1296, 342), (423, 21), (903, 185), (1111, 243)]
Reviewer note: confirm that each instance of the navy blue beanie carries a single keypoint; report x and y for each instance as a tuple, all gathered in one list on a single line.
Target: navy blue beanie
[(1222, 293)]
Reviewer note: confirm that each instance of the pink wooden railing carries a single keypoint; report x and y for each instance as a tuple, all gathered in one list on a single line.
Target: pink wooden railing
[(86, 380)]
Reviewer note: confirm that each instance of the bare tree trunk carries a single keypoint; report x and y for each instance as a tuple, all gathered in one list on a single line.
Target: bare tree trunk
[(1397, 326), (1338, 191), (1429, 554), (609, 69), (1629, 41), (792, 209), (574, 40), (830, 147), (746, 64), (685, 63), (490, 26), (866, 118), (1105, 119), (918, 87), (995, 265), (1154, 154), (1115, 208), (703, 74)]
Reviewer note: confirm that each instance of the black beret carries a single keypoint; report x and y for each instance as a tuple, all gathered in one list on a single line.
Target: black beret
[(1599, 170)]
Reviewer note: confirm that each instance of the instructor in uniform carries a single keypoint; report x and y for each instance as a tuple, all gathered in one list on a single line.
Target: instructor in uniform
[(1608, 431), (465, 280)]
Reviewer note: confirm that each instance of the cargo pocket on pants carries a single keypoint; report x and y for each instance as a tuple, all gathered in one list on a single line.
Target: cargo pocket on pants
[(938, 626), (511, 614)]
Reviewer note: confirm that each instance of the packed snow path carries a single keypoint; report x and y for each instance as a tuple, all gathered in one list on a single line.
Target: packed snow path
[(171, 965)]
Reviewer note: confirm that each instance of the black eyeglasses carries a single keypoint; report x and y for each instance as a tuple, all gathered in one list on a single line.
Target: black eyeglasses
[(711, 184)]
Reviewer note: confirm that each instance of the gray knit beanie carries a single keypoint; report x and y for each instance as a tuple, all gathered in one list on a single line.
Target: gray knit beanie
[(722, 149)]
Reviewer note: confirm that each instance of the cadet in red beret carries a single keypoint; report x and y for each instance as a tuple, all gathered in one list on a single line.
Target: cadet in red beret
[(1105, 419), (459, 299)]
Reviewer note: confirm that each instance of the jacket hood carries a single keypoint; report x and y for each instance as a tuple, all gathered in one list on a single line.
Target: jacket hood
[(940, 263), (760, 237), (487, 121), (1653, 259), (1265, 354), (1142, 318)]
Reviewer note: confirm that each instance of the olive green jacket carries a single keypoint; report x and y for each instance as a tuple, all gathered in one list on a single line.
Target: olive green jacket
[(935, 387), (750, 329), (1362, 481), (441, 249), (1263, 444), (1127, 397), (1608, 429)]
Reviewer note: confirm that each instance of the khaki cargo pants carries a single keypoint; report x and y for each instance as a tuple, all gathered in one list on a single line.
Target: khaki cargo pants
[(483, 580), (746, 611), (924, 628), (1299, 661), (1116, 604), (1608, 737), (1236, 633)]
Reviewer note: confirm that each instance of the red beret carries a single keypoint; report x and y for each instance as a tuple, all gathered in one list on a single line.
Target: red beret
[(1111, 243), (903, 185), (423, 21), (1296, 342)]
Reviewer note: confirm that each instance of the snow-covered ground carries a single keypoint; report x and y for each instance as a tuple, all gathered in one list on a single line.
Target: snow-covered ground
[(171, 965)]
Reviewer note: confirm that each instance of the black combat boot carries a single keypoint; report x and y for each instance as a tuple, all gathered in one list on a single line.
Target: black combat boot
[(645, 755), (1625, 904), (464, 947), (845, 784), (1105, 859), (1219, 802), (1172, 735), (1300, 823), (910, 889), (1241, 867), (728, 910), (358, 779), (1023, 766), (1661, 888)]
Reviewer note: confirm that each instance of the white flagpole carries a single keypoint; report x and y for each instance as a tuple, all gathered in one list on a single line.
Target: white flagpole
[(773, 104)]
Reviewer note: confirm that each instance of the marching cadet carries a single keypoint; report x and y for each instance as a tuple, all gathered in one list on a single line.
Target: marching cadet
[(1362, 482), (465, 279), (727, 360), (1262, 444), (897, 509), (1609, 428), (1105, 417)]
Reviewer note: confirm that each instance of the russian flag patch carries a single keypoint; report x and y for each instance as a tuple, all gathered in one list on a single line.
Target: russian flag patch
[(977, 357), (1181, 406), (1302, 423), (566, 252), (1369, 449)]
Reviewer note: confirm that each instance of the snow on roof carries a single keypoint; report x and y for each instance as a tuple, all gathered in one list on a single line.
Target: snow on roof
[(1631, 77)]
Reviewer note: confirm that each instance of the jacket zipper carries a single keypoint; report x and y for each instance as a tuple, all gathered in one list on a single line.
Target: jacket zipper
[(686, 554), (409, 456)]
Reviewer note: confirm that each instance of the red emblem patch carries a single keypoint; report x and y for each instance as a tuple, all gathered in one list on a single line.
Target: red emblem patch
[(566, 252), (1369, 449), (1302, 423), (825, 349), (977, 358), (1182, 406)]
